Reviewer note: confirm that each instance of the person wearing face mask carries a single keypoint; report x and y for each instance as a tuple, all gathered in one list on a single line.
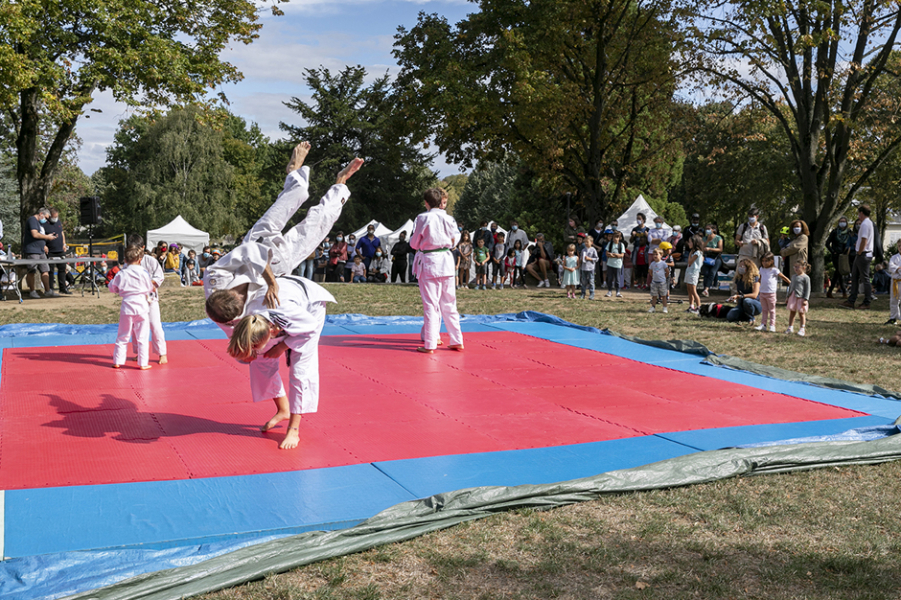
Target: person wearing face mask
[(639, 239), (517, 234), (337, 258), (351, 252), (367, 245), (205, 260), (796, 250), (656, 234), (399, 252), (752, 239), (56, 248), (713, 251), (379, 268), (694, 228), (839, 244), (35, 247)]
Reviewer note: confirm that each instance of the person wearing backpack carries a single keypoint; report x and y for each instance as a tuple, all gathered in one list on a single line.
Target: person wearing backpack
[(752, 239)]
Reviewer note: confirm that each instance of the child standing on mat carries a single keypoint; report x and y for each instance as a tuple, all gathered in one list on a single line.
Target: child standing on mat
[(435, 233), (135, 287), (798, 297), (658, 280), (769, 283)]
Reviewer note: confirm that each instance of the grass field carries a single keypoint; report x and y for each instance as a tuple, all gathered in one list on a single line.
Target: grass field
[(831, 533)]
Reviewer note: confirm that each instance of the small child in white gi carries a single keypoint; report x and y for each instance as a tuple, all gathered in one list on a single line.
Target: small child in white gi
[(155, 270), (435, 233), (135, 287)]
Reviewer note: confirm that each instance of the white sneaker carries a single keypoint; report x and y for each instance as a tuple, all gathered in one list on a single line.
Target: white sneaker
[(790, 330), (501, 286), (618, 295), (760, 327), (608, 294), (801, 332), (34, 294), (540, 284), (547, 283), (665, 309), (561, 285), (772, 329), (652, 309)]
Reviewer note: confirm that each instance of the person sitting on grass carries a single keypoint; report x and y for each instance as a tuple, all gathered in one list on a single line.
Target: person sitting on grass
[(358, 270), (747, 285)]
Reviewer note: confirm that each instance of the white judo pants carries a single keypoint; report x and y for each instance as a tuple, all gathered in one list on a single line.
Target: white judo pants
[(156, 331), (295, 245), (132, 325), (439, 301), (303, 375)]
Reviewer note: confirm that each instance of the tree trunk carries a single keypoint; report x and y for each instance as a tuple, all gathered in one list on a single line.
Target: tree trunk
[(35, 172)]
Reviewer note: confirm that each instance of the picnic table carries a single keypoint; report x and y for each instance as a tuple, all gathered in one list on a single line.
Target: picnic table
[(19, 264)]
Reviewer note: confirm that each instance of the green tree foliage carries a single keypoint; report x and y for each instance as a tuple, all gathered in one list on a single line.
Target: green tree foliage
[(56, 54), (179, 164), (814, 65), (348, 118), (454, 185), (578, 89), (9, 203), (69, 185), (735, 158)]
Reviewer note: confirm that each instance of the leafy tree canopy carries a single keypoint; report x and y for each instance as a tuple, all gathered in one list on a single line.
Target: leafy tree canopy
[(578, 89), (56, 54)]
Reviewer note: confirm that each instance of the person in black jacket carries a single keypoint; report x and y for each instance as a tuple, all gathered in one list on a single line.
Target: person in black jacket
[(838, 243), (56, 248), (399, 253)]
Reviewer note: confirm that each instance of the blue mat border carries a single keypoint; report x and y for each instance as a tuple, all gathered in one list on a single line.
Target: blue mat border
[(447, 472)]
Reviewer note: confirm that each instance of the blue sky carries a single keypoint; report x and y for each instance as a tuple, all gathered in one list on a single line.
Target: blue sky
[(312, 33)]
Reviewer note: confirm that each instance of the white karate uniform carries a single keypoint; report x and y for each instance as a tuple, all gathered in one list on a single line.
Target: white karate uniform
[(894, 270), (134, 286), (265, 245), (155, 270), (434, 235), (301, 316)]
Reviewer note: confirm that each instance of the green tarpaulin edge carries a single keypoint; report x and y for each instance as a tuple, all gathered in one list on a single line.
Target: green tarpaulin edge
[(412, 519)]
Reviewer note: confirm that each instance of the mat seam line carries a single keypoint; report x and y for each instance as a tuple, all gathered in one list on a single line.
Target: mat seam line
[(398, 483)]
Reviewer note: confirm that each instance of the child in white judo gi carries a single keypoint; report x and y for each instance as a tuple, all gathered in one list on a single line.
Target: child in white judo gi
[(263, 335), (155, 270), (435, 234), (135, 287)]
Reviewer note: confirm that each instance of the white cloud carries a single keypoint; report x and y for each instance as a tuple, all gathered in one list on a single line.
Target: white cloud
[(96, 130)]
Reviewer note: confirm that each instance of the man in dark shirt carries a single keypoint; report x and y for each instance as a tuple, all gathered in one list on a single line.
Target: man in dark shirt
[(695, 227), (367, 245), (57, 248), (399, 258), (35, 247)]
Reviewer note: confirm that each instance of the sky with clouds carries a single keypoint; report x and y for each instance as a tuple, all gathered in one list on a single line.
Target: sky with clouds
[(311, 34)]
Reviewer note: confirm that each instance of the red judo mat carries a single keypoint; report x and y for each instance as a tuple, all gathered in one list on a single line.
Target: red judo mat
[(68, 418)]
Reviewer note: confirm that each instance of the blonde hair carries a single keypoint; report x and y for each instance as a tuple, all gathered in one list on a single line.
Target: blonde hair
[(751, 271), (250, 331)]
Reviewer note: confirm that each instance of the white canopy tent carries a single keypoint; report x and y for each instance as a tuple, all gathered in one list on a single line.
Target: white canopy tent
[(179, 231), (380, 230), (629, 219), (389, 239)]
